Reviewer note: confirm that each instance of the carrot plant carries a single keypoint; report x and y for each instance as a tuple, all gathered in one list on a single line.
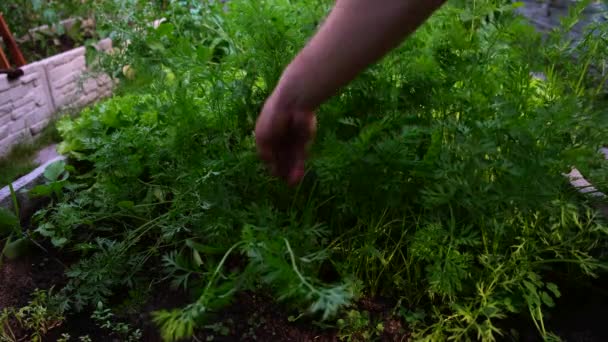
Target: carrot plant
[(436, 179)]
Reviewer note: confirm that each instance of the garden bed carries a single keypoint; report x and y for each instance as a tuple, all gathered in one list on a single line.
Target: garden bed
[(45, 41), (435, 203), (255, 316), (252, 316)]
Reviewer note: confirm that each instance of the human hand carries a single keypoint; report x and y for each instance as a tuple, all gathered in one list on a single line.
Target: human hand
[(283, 135)]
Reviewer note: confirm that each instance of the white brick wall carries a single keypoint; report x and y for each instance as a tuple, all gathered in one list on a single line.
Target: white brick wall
[(28, 103), (23, 101)]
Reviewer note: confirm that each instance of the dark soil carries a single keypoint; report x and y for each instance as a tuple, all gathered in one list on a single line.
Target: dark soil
[(257, 317), (251, 316), (14, 277), (18, 278), (579, 315), (254, 316)]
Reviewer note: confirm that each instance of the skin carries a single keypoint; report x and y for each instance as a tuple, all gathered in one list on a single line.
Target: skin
[(356, 34)]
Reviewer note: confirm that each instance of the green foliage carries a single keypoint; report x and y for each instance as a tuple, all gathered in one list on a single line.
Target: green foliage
[(8, 222), (23, 15), (16, 247), (20, 159), (92, 280), (37, 318), (37, 24), (65, 337), (107, 320), (436, 178), (55, 176), (357, 326), (10, 225)]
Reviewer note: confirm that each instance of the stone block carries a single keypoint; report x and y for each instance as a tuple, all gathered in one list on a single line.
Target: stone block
[(90, 85), (66, 101), (30, 96), (29, 69), (71, 68), (59, 83), (29, 77), (74, 53), (12, 139), (16, 126), (88, 99), (62, 58), (66, 88), (3, 131), (40, 97), (107, 93), (5, 120), (34, 117), (79, 63), (6, 109), (63, 71), (21, 112), (4, 84), (36, 128), (59, 72), (45, 93), (18, 92), (103, 80), (5, 97)]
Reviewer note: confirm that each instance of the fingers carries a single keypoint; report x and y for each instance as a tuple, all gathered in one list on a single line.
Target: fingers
[(272, 153), (304, 128), (265, 151), (286, 160), (282, 142), (297, 169)]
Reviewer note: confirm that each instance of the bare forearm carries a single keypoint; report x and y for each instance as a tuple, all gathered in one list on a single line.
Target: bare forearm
[(356, 34)]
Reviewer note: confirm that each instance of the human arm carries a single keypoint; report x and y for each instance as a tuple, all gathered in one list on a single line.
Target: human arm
[(356, 34)]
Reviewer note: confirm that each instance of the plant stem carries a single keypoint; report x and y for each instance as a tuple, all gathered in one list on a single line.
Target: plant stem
[(295, 269), (15, 204), (8, 240)]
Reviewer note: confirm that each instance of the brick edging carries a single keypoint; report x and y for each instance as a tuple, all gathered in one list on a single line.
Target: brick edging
[(47, 86)]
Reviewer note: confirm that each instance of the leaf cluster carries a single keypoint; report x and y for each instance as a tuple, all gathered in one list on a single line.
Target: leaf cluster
[(436, 178)]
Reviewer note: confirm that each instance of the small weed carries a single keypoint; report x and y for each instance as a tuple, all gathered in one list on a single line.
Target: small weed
[(65, 337), (136, 300), (217, 329), (35, 319), (358, 326), (107, 320)]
